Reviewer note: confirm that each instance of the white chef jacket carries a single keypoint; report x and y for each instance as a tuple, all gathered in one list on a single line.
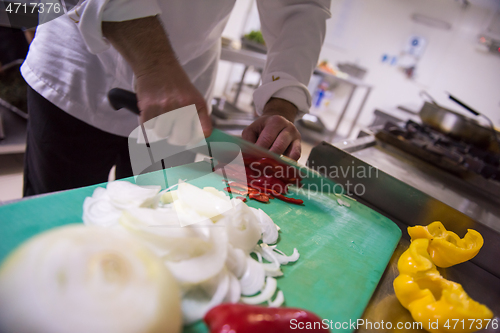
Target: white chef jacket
[(73, 66)]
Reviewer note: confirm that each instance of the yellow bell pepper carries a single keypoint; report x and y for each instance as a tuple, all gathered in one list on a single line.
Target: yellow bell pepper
[(439, 304), (445, 247)]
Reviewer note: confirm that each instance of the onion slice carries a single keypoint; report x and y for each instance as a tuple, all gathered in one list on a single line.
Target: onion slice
[(236, 261), (198, 299), (242, 226), (234, 292), (253, 279), (266, 294), (99, 211), (278, 301), (202, 236), (87, 279), (272, 254), (124, 194), (209, 264), (203, 202), (268, 228)]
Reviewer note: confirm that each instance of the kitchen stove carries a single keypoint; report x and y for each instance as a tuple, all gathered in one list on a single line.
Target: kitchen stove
[(477, 166)]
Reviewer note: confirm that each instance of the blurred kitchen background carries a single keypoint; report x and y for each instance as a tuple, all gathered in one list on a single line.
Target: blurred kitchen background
[(381, 60)]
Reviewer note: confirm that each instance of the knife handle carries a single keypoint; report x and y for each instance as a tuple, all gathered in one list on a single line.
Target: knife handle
[(121, 98), (465, 106)]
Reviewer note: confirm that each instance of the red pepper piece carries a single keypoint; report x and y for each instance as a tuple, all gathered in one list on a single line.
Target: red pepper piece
[(266, 184), (242, 318), (259, 197), (262, 189), (233, 184), (287, 199), (242, 199), (240, 185), (233, 190)]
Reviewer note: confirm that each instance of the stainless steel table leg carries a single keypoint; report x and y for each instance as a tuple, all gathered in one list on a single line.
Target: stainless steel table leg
[(368, 90), (332, 134), (240, 85)]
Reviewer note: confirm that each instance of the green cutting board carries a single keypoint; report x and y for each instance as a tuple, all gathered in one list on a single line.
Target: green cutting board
[(344, 251)]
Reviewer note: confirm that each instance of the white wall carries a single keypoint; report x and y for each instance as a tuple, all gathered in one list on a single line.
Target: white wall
[(363, 30)]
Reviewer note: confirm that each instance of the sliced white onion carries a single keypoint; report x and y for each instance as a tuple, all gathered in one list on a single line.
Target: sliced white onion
[(124, 194), (268, 228), (265, 295), (271, 253), (343, 203), (203, 202), (209, 264), (253, 279), (278, 301), (99, 211), (167, 197), (234, 292), (242, 226), (216, 192), (348, 197), (284, 259), (160, 231), (188, 216), (272, 270), (202, 236), (198, 299), (236, 261), (86, 279)]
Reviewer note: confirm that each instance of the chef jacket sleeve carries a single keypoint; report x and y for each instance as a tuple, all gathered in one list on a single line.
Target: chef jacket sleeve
[(294, 31), (90, 14)]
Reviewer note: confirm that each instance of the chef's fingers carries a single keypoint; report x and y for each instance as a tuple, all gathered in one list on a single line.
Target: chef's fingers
[(287, 142), (294, 150), (251, 132), (273, 126), (276, 134), (282, 141)]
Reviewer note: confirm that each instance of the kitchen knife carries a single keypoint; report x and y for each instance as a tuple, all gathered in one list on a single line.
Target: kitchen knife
[(121, 98)]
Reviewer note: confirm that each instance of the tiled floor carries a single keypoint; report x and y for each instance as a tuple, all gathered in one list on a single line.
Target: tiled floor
[(11, 177)]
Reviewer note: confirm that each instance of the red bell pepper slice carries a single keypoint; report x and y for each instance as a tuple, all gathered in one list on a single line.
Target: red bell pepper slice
[(259, 197), (242, 318)]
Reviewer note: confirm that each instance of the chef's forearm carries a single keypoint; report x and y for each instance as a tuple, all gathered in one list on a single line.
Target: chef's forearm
[(143, 43), (161, 83)]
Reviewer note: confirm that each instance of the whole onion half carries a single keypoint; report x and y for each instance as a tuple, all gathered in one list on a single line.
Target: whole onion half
[(87, 279)]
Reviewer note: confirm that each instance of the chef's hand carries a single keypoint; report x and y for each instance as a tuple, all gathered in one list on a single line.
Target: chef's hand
[(167, 89), (275, 130), (162, 85)]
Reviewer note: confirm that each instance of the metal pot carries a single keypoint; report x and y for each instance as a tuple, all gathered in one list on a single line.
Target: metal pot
[(455, 125)]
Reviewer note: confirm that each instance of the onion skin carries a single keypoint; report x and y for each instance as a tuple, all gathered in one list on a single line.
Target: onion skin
[(87, 279), (241, 318)]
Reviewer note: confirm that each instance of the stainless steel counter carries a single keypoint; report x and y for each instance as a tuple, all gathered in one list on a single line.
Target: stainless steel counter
[(410, 192), (429, 179)]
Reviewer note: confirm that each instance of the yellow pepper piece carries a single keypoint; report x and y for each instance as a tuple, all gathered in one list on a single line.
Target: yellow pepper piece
[(431, 299), (446, 248)]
